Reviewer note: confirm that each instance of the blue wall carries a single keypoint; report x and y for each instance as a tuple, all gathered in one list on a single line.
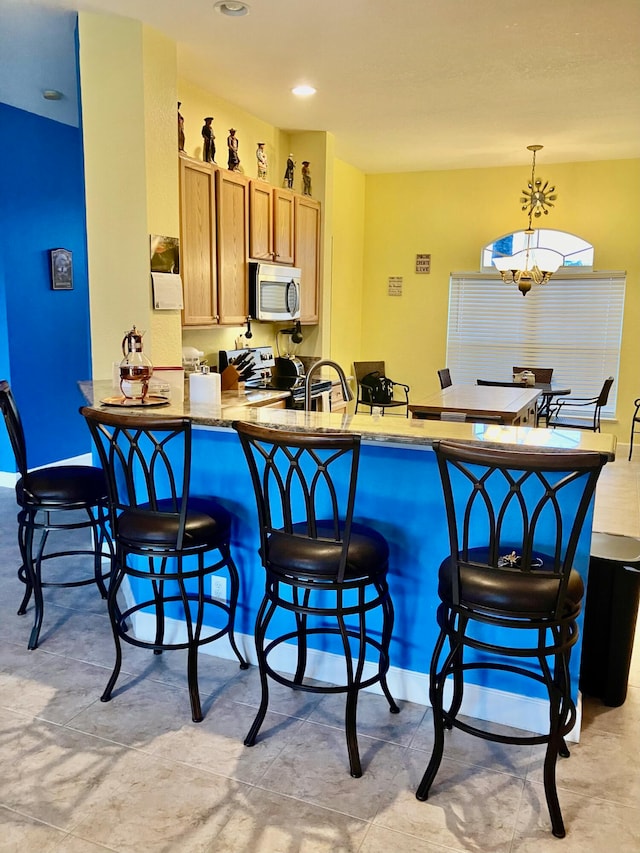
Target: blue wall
[(44, 334)]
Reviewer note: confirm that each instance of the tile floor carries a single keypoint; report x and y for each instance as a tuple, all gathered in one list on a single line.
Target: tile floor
[(137, 776)]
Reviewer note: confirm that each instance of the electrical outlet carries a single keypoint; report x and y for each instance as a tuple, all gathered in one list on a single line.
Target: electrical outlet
[(219, 587)]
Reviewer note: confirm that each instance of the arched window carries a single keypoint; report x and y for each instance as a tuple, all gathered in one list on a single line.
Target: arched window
[(575, 251)]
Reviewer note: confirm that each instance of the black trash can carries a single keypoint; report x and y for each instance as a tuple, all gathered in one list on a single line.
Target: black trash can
[(611, 609)]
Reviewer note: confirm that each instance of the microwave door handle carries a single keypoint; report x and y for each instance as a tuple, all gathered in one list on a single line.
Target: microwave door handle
[(292, 297)]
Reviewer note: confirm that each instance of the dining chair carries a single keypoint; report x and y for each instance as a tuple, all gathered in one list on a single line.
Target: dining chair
[(169, 543), (444, 376), (55, 503), (591, 406), (326, 574), (514, 519), (542, 374), (376, 389)]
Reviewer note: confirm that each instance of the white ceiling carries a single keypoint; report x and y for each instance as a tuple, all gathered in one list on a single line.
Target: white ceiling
[(419, 84)]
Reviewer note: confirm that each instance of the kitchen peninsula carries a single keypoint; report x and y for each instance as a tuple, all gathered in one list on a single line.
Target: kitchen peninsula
[(398, 493)]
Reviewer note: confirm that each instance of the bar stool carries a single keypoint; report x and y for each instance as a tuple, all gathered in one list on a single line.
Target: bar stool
[(635, 420), (326, 575), (509, 593), (168, 543), (54, 499)]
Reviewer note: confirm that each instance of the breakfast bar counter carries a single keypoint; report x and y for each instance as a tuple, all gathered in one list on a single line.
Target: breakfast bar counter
[(399, 494)]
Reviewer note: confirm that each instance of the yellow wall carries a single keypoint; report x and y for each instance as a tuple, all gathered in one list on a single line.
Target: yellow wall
[(159, 75), (113, 111), (451, 215), (347, 265)]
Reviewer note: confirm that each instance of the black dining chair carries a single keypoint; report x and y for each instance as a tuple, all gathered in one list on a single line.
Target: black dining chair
[(376, 389), (168, 543), (444, 375), (589, 407), (326, 574), (55, 503), (635, 420), (541, 374), (509, 594)]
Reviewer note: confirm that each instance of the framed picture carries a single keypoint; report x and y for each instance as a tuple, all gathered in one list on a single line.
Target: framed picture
[(61, 269)]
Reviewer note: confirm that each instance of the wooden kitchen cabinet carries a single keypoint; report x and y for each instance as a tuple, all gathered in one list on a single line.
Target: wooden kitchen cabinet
[(214, 232), (198, 243), (306, 256), (233, 246), (271, 224)]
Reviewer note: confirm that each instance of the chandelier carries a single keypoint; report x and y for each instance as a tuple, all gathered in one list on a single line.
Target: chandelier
[(531, 265)]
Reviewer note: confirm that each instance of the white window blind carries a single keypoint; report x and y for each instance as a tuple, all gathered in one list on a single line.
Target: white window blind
[(572, 324)]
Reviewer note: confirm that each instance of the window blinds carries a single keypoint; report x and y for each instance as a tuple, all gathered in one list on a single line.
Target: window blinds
[(572, 324)]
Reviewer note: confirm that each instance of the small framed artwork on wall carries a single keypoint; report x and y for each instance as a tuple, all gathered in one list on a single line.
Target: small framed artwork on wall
[(61, 269)]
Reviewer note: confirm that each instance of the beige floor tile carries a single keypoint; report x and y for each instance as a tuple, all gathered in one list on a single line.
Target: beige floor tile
[(374, 718), (591, 825), (157, 806), (139, 711), (282, 699), (271, 823), (314, 767), (381, 840), (623, 720), (601, 766), (57, 774), (18, 832), (217, 743), (469, 808), (467, 749), (53, 688)]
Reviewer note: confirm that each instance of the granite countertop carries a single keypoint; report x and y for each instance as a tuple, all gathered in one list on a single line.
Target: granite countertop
[(394, 429)]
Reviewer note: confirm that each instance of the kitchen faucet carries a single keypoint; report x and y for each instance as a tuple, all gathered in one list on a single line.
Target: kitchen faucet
[(346, 390)]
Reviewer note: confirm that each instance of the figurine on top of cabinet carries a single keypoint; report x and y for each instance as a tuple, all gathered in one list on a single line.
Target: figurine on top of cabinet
[(261, 157), (180, 129), (306, 178), (209, 147), (288, 175), (232, 145)]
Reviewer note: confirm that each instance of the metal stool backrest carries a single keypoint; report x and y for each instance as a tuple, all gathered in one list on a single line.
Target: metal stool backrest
[(542, 374), (13, 423), (301, 479), (534, 503), (147, 463)]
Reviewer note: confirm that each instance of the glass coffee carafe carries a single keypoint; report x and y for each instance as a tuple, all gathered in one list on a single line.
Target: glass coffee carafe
[(135, 367)]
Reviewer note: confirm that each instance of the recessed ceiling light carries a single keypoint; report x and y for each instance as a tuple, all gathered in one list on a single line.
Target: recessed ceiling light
[(303, 90), (52, 95), (231, 7)]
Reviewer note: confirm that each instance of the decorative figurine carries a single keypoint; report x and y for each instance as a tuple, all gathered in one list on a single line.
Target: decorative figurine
[(232, 145), (288, 175), (261, 157), (306, 178), (180, 129), (209, 147)]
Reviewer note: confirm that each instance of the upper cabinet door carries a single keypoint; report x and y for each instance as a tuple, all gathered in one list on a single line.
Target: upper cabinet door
[(261, 221), (233, 246), (283, 234), (307, 256), (198, 252)]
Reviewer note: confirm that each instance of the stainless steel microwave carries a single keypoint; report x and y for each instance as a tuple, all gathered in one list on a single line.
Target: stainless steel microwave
[(274, 291)]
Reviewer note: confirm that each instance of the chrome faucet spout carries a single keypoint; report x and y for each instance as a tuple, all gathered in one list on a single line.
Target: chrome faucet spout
[(346, 390)]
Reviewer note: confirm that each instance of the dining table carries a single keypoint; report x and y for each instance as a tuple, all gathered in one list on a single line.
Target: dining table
[(515, 405), (548, 390)]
